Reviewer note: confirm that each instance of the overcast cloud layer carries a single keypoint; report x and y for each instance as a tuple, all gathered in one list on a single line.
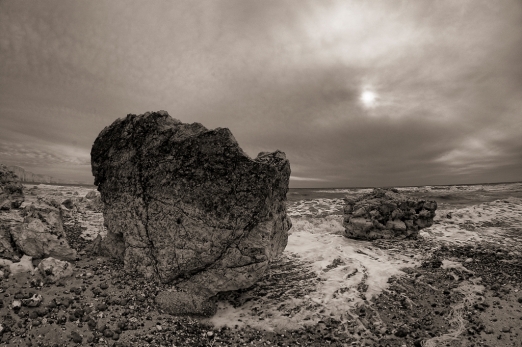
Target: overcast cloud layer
[(446, 79)]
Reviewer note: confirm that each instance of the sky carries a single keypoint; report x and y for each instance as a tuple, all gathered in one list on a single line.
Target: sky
[(356, 93)]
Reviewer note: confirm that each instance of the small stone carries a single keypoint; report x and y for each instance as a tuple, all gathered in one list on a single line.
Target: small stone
[(104, 286), (76, 337), (101, 307), (68, 203), (402, 332), (506, 329), (33, 301), (210, 333), (16, 304)]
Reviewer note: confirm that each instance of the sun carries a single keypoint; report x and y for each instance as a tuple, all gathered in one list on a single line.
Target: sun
[(369, 98)]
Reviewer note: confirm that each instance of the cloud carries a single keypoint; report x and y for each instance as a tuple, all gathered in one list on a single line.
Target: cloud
[(279, 74)]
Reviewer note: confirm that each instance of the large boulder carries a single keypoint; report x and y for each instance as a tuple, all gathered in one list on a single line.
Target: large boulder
[(11, 190), (41, 234), (187, 205), (385, 214)]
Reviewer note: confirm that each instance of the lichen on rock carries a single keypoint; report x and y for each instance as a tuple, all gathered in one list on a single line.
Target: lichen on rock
[(385, 214), (186, 205)]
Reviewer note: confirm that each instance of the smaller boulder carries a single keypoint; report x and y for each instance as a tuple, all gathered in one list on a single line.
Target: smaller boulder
[(92, 194), (95, 204), (24, 265), (41, 234), (54, 270), (386, 213)]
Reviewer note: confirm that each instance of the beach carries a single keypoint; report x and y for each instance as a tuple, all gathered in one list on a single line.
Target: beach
[(458, 284)]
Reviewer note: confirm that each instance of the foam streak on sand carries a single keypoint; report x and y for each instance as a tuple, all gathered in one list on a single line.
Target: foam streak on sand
[(493, 222), (347, 272)]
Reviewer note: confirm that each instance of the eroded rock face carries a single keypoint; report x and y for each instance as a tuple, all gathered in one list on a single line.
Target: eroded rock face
[(385, 213), (11, 190), (187, 205)]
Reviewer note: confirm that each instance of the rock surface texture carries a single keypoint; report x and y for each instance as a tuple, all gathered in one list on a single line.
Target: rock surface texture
[(385, 214), (186, 205), (54, 270), (11, 190), (41, 234)]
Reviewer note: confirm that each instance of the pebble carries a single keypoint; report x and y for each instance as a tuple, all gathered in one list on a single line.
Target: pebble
[(488, 330), (101, 307), (76, 337), (33, 301), (16, 304)]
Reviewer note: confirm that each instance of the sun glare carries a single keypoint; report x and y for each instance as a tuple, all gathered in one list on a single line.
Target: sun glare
[(368, 98)]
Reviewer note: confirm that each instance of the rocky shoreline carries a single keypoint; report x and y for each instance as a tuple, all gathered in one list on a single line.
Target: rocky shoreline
[(465, 293)]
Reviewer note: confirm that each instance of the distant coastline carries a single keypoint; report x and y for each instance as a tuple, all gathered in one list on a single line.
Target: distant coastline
[(29, 177)]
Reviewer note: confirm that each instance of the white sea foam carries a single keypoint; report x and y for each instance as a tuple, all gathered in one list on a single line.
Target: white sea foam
[(348, 271), (498, 222)]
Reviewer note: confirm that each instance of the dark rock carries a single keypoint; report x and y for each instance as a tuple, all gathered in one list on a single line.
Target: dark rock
[(402, 332), (11, 190), (186, 204), (76, 337), (69, 203), (385, 214), (93, 194), (101, 307)]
